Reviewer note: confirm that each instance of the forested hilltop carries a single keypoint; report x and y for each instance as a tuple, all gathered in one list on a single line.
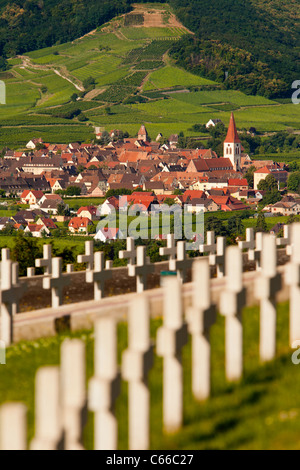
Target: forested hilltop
[(34, 24), (256, 41), (249, 45)]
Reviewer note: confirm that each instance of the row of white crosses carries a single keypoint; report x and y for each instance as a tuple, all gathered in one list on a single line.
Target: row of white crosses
[(254, 244), (61, 400)]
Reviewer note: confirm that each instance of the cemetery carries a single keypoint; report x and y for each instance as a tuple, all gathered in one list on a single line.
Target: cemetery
[(194, 297)]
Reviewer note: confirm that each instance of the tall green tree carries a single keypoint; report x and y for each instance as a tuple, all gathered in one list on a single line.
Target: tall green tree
[(25, 250), (293, 183), (261, 224)]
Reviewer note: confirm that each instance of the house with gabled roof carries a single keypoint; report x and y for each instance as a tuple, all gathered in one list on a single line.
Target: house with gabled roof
[(91, 212), (37, 230), (47, 222), (106, 234), (31, 196), (33, 143), (79, 225)]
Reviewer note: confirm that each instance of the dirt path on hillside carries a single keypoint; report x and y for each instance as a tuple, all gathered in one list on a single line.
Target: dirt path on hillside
[(63, 72)]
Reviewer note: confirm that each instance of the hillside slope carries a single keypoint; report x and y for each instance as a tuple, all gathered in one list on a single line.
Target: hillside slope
[(119, 76), (254, 44), (257, 42)]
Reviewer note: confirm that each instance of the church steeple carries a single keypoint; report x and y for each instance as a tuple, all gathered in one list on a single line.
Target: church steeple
[(232, 135), (232, 145)]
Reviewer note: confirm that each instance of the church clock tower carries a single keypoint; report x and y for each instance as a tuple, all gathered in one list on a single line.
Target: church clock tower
[(232, 145)]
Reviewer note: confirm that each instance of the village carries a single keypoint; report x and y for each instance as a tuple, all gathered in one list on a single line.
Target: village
[(150, 174)]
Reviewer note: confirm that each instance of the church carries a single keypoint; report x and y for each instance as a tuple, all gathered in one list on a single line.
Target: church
[(232, 145)]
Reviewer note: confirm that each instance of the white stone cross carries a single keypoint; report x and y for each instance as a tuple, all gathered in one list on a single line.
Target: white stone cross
[(232, 301), (49, 433), (255, 254), (218, 258), (98, 276), (137, 360), (201, 316), (285, 240), (73, 392), (170, 249), (210, 246), (88, 257), (104, 387), (13, 427), (182, 263), (292, 279), (141, 270), (56, 282), (249, 244), (266, 287), (11, 292), (130, 252), (171, 337), (45, 262)]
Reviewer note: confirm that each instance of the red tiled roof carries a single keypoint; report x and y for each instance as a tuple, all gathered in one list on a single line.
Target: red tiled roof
[(237, 182), (78, 222)]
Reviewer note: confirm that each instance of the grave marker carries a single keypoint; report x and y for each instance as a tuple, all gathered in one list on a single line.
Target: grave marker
[(11, 292), (182, 263), (56, 282), (73, 392), (98, 276), (141, 270), (285, 240), (218, 258), (266, 288), (171, 337), (170, 249), (292, 279), (13, 426), (137, 360), (232, 301), (201, 316), (48, 417), (88, 257), (104, 387), (130, 252), (45, 262)]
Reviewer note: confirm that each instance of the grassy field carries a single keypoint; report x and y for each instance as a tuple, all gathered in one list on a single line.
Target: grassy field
[(260, 412), (124, 62)]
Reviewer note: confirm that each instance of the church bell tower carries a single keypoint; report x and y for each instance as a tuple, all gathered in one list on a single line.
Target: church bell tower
[(232, 145)]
